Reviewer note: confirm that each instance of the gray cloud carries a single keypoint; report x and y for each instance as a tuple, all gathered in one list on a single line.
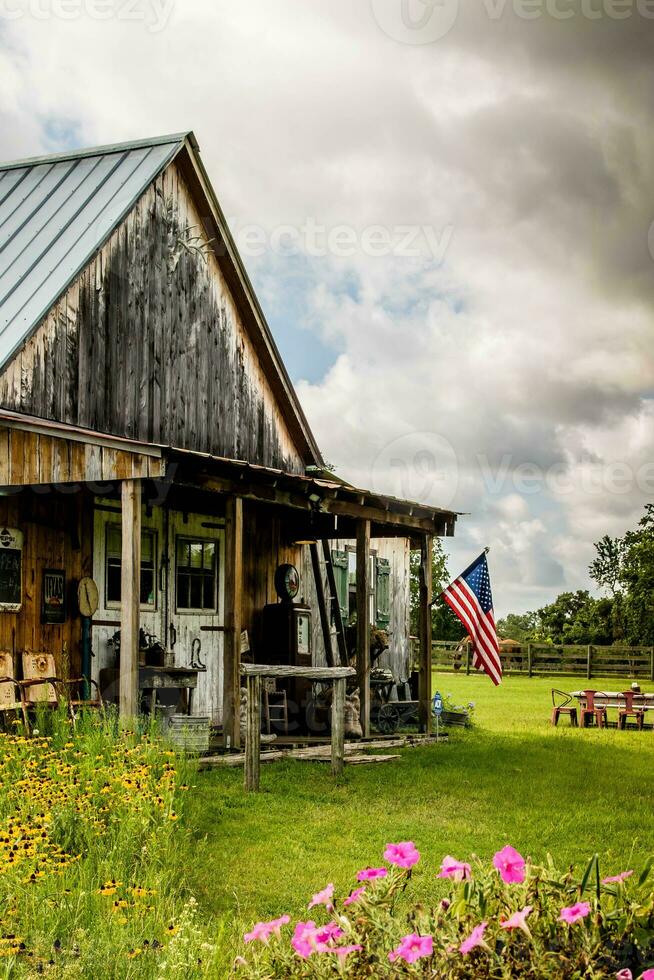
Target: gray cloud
[(531, 339)]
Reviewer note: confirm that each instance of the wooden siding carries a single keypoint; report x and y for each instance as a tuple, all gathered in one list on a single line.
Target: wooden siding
[(148, 344), (31, 458), (57, 534)]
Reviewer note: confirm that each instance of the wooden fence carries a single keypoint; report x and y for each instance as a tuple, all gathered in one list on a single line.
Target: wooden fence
[(541, 660)]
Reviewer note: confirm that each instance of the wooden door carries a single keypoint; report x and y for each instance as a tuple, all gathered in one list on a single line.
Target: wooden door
[(196, 604)]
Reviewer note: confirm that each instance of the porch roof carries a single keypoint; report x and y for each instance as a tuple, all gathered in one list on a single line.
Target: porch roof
[(322, 504), (313, 494)]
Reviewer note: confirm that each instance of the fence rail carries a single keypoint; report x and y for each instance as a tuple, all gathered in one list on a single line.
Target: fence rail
[(541, 659)]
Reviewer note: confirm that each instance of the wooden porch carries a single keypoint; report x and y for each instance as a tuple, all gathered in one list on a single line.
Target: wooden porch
[(267, 516)]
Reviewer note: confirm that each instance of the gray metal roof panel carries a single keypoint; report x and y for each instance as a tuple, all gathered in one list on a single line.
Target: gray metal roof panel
[(55, 214), (95, 151)]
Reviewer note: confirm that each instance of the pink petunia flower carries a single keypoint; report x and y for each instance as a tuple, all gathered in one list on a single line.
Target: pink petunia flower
[(476, 938), (412, 947), (354, 896), (510, 864), (647, 975), (625, 974), (264, 930), (324, 935), (451, 868), (617, 879), (517, 920), (369, 874), (573, 913), (403, 855), (302, 939), (323, 898)]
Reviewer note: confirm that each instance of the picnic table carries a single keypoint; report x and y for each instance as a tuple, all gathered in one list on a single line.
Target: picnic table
[(616, 699), (631, 705)]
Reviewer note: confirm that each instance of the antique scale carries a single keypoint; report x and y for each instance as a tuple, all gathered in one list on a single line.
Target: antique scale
[(287, 637)]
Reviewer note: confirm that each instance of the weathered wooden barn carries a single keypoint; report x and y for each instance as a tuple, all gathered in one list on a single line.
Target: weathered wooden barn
[(152, 442)]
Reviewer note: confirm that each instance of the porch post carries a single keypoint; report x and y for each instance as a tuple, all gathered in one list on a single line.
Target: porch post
[(424, 630), (363, 621), (233, 595), (130, 594)]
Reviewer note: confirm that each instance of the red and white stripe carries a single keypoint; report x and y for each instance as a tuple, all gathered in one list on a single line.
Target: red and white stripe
[(480, 626)]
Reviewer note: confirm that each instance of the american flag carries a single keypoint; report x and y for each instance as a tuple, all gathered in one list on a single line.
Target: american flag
[(470, 598)]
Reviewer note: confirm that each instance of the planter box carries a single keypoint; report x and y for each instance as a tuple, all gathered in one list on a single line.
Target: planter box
[(457, 719)]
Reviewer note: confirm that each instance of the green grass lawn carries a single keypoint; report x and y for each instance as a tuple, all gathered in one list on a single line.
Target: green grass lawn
[(512, 779)]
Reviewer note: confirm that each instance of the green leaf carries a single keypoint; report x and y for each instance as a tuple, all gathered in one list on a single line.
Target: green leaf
[(644, 874), (588, 872)]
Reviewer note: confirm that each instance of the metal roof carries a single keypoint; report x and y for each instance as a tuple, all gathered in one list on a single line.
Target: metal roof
[(55, 213)]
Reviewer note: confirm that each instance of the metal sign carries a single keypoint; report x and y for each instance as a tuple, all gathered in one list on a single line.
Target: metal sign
[(53, 602), (11, 569), (437, 704)]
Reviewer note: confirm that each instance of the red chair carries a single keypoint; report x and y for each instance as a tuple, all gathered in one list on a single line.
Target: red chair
[(561, 702), (590, 710), (630, 711)]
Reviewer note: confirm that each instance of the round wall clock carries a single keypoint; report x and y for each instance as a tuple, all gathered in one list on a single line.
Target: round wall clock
[(287, 581)]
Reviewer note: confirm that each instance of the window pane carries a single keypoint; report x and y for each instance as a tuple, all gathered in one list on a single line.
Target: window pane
[(196, 554), (182, 552), (196, 592), (113, 581), (209, 552), (114, 542), (208, 592), (182, 591), (147, 548)]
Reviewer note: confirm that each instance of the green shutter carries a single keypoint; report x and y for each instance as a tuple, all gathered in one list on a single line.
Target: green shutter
[(340, 565), (383, 592)]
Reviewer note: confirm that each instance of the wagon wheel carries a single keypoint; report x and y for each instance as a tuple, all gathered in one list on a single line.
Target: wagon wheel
[(388, 719)]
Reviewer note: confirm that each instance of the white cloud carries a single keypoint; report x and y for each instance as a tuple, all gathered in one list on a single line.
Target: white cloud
[(530, 342)]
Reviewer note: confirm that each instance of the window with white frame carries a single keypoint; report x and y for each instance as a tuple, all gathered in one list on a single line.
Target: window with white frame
[(196, 575)]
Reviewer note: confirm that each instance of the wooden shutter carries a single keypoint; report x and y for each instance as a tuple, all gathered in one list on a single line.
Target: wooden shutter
[(341, 565), (383, 590)]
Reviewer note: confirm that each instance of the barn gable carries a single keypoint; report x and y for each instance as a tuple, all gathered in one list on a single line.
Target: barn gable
[(125, 308)]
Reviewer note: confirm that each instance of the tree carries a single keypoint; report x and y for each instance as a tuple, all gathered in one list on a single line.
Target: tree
[(444, 624), (625, 566), (522, 627), (606, 569)]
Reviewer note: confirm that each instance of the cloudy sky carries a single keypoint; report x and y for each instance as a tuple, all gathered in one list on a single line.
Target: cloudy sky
[(446, 209)]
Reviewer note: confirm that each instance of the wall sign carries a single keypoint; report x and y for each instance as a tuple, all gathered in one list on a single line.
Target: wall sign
[(11, 569), (53, 596)]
